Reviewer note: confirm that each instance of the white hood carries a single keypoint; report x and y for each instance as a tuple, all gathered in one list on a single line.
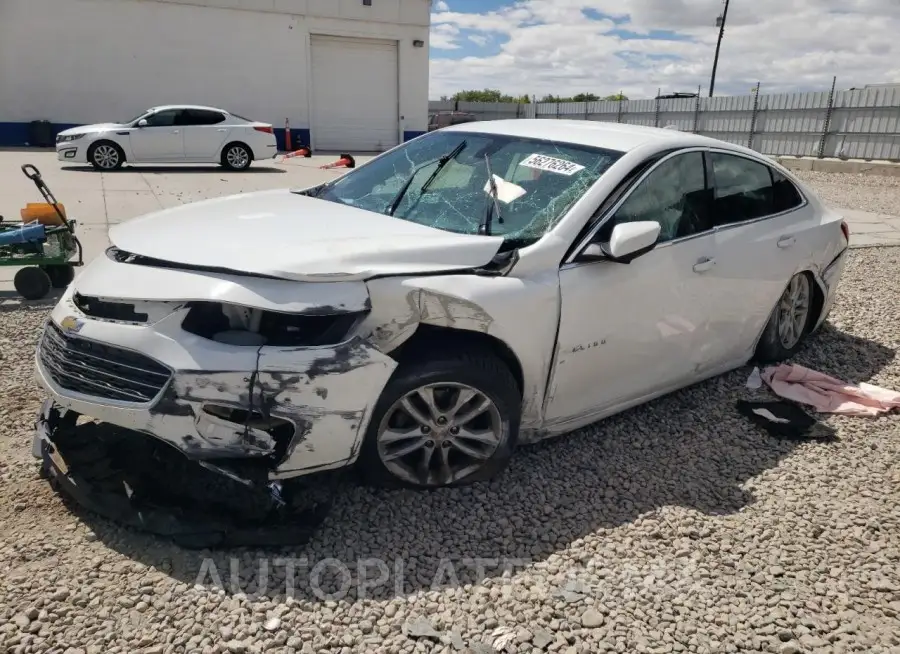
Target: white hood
[(85, 129), (290, 236)]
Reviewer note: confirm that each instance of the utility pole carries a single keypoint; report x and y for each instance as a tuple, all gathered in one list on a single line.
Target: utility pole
[(720, 22)]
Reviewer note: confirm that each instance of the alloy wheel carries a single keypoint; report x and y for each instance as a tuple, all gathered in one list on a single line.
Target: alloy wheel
[(237, 157), (439, 434), (106, 156), (793, 311)]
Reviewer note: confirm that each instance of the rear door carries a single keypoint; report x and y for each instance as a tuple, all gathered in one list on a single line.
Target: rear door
[(161, 140), (765, 233), (204, 134)]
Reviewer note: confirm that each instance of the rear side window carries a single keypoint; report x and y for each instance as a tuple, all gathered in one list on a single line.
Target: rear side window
[(201, 117), (744, 189), (787, 196)]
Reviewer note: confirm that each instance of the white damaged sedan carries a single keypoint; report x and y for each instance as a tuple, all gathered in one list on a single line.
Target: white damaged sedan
[(480, 287)]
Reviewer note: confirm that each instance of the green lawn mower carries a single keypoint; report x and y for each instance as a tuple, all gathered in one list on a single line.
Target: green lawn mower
[(42, 244)]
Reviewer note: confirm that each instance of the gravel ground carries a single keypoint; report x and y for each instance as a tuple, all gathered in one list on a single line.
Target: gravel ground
[(673, 527), (863, 192)]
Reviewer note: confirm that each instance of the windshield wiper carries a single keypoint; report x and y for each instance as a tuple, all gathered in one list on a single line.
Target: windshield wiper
[(493, 206), (441, 163)]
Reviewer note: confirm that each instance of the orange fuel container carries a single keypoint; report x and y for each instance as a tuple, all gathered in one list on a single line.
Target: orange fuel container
[(43, 212)]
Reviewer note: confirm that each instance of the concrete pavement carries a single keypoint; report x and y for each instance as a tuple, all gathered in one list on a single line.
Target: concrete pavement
[(99, 200)]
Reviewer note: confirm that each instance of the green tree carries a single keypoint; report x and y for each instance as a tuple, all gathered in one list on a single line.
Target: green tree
[(489, 95), (617, 97)]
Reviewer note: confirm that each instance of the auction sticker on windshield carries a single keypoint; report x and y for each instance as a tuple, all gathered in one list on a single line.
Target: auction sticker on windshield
[(551, 164)]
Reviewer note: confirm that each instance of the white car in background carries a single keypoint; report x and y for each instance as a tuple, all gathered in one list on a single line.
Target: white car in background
[(479, 287), (170, 134)]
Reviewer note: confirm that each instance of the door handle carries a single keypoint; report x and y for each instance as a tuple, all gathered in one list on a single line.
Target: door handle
[(786, 241), (221, 130), (704, 264), (174, 131)]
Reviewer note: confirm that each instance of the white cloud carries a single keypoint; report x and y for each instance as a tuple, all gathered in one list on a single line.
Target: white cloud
[(479, 39), (787, 45), (440, 5), (444, 37)]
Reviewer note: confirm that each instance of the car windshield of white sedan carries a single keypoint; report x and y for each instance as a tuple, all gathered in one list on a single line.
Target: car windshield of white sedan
[(133, 120), (536, 182)]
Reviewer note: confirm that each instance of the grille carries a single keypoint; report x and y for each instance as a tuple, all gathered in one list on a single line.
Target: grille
[(100, 370)]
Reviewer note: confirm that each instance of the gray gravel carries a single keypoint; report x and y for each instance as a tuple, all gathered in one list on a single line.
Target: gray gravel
[(676, 527), (871, 193)]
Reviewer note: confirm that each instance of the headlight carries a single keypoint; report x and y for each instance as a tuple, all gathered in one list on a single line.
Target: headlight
[(68, 137), (237, 325)]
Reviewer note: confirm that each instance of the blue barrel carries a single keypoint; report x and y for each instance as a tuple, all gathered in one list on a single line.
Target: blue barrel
[(31, 233)]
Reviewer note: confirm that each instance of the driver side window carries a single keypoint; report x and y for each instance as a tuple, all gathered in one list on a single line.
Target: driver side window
[(675, 195), (163, 118)]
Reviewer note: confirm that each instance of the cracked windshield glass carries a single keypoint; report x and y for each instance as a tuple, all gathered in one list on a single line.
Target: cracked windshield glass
[(441, 180)]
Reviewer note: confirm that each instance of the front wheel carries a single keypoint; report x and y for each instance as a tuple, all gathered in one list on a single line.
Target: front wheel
[(236, 156), (788, 324), (106, 155), (450, 421)]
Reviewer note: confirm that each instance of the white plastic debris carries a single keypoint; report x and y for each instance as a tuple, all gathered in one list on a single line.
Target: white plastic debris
[(768, 415), (754, 381), (506, 191)]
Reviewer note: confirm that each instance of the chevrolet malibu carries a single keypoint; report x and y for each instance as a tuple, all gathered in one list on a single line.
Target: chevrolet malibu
[(480, 287), (170, 134)]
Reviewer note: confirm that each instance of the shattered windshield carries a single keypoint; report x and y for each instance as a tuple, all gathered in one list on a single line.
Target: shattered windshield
[(536, 181)]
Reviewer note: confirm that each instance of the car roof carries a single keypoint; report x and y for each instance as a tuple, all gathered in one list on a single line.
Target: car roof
[(187, 106), (612, 136)]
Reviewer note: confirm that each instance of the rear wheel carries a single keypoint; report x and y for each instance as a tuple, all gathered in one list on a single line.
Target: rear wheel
[(106, 155), (450, 421), (236, 156), (32, 283), (60, 276), (788, 325)]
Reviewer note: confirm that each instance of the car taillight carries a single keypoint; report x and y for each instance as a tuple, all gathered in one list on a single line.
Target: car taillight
[(267, 129), (845, 228)]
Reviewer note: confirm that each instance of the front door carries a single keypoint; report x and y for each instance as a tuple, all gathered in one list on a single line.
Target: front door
[(628, 331), (161, 140)]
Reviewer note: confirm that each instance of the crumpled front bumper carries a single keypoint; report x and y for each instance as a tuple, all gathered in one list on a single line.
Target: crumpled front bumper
[(142, 483), (326, 394)]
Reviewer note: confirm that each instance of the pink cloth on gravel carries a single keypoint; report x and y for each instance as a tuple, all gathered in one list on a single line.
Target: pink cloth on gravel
[(827, 394)]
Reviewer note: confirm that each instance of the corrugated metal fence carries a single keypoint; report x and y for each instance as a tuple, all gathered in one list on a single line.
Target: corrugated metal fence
[(858, 124)]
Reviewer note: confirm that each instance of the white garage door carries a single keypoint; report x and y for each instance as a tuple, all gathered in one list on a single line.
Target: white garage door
[(355, 94)]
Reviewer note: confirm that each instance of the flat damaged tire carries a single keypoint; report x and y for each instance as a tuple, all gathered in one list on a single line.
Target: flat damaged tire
[(443, 422), (789, 322)]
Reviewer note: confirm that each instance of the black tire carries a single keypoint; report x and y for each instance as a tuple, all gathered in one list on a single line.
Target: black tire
[(480, 370), (60, 276), (32, 283), (237, 156), (103, 163), (770, 348)]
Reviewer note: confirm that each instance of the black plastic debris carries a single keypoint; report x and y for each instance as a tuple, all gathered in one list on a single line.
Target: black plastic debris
[(785, 420), (138, 481)]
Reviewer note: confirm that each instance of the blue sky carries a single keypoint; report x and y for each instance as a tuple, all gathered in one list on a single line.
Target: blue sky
[(638, 46)]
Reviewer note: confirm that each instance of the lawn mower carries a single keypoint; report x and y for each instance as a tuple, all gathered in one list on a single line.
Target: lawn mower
[(42, 244)]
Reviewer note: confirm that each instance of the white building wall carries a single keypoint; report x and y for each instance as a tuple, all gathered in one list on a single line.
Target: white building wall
[(86, 61)]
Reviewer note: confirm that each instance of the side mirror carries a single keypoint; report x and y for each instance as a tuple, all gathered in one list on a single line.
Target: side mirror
[(627, 242), (142, 122)]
